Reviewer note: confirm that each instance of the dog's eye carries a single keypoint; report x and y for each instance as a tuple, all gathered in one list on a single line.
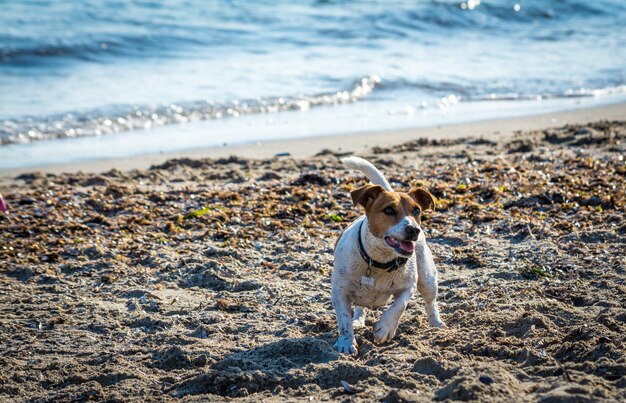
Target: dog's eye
[(389, 211), (416, 211)]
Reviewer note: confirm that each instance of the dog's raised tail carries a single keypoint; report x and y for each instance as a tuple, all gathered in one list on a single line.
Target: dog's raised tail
[(369, 170)]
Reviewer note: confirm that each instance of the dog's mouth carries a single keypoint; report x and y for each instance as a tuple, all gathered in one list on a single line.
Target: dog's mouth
[(404, 248)]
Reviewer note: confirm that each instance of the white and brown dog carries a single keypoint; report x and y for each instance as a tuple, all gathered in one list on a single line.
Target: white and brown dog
[(380, 256)]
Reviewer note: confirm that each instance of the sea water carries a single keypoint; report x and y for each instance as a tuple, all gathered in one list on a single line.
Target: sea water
[(100, 79)]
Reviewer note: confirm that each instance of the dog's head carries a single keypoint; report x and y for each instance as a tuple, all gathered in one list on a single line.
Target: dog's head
[(394, 216)]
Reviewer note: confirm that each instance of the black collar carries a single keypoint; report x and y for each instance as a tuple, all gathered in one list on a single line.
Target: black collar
[(390, 266)]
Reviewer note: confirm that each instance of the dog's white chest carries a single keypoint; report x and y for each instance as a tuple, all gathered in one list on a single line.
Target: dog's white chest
[(369, 297), (376, 289)]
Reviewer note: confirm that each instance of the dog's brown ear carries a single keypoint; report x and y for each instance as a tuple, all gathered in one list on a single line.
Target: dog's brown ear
[(366, 194), (423, 198)]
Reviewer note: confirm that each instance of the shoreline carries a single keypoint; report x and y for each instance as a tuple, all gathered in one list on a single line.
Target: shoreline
[(303, 147)]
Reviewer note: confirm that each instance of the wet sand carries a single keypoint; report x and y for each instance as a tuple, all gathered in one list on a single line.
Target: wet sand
[(204, 278), (355, 143)]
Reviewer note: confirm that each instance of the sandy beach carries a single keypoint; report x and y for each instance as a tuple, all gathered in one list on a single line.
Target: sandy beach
[(205, 275)]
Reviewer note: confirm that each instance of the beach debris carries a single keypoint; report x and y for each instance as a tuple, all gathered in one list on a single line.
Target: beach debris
[(312, 179), (197, 213), (109, 278), (347, 388), (270, 175), (335, 217), (339, 153), (532, 270), (4, 207)]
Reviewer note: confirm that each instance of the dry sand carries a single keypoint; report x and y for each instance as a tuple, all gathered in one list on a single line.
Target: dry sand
[(210, 278)]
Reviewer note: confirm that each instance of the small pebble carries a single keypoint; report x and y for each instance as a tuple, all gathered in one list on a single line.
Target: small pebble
[(349, 389)]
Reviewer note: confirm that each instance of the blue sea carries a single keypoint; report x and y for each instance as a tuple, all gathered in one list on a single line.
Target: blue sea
[(98, 79)]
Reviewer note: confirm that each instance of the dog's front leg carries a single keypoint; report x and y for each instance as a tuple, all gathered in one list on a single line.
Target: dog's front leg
[(427, 285), (343, 309), (385, 328)]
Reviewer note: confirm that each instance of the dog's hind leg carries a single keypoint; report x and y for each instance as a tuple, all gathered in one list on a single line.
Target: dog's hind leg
[(427, 285), (359, 316)]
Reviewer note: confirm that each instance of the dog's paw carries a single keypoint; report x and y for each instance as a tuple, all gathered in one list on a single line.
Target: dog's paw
[(385, 330), (432, 312), (359, 317), (346, 346), (435, 321)]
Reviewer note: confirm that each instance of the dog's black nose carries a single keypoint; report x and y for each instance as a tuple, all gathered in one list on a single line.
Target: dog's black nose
[(412, 232)]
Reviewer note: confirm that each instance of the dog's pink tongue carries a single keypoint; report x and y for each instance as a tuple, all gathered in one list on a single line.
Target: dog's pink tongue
[(407, 246)]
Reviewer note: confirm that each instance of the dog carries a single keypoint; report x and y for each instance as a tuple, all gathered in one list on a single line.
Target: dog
[(380, 257)]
